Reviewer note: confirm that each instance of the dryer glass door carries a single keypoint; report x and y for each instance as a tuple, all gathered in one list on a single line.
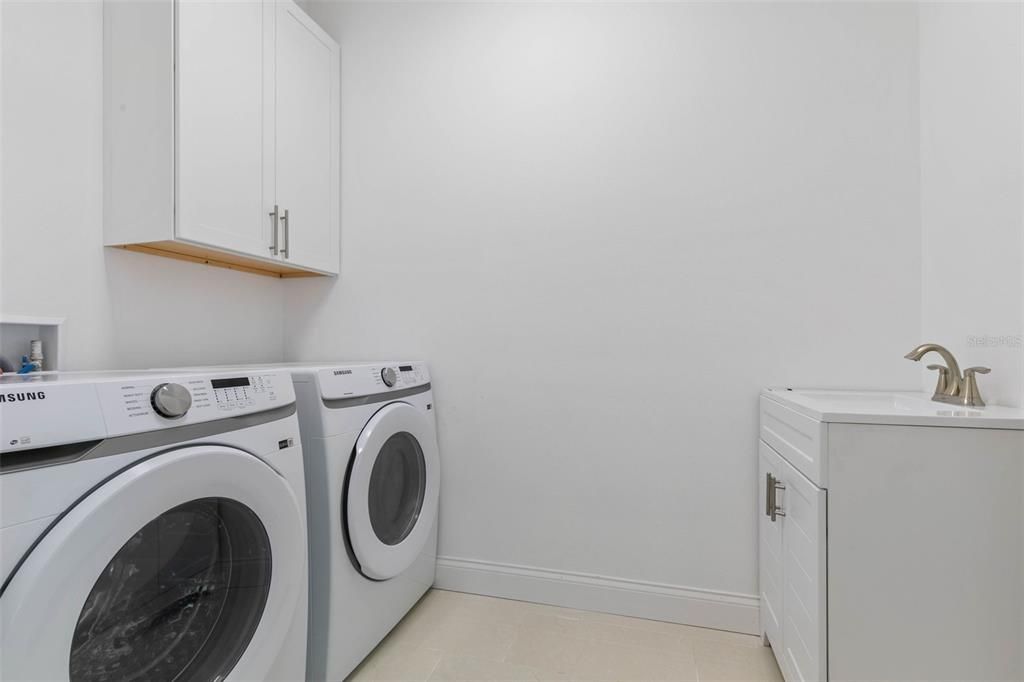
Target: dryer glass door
[(398, 482), (186, 565), (391, 501)]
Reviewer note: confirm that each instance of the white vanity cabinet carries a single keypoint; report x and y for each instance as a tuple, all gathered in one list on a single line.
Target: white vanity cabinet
[(896, 551), (221, 134)]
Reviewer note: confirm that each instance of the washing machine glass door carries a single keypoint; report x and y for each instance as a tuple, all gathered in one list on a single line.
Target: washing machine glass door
[(186, 566), (391, 502)]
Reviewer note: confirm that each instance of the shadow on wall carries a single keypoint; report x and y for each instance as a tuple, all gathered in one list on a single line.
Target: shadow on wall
[(169, 312)]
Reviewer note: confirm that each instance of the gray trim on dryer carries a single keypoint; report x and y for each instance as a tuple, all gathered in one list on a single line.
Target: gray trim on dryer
[(338, 403)]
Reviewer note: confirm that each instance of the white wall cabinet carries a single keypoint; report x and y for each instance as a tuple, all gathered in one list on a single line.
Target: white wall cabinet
[(307, 138), (891, 551), (221, 134)]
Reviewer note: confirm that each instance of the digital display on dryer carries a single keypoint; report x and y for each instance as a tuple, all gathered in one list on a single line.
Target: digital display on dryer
[(405, 368), (230, 383)]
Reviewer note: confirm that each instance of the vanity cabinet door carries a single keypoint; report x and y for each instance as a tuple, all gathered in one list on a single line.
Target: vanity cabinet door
[(804, 571), (769, 551), (307, 130), (792, 567), (224, 178)]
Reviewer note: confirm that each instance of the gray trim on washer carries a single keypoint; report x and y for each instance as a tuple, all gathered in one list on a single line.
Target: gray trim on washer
[(337, 403), (22, 460)]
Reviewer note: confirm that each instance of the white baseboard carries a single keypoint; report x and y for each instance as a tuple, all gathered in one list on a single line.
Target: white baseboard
[(656, 601)]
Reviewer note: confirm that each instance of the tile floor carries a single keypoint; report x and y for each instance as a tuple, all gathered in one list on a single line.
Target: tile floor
[(455, 636)]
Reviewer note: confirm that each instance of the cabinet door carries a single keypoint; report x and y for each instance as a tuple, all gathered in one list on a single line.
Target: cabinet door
[(307, 83), (804, 618), (222, 80), (770, 552)]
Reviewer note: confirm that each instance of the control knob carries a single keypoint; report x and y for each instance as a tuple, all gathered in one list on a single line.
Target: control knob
[(171, 400), (388, 376)]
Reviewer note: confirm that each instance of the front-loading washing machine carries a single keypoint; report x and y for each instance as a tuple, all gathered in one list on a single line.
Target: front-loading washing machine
[(372, 481), (153, 527)]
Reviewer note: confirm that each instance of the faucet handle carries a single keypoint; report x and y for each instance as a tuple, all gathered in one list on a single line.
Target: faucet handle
[(943, 382), (972, 396)]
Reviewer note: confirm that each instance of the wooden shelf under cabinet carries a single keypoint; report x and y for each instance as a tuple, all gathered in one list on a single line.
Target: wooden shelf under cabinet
[(220, 259)]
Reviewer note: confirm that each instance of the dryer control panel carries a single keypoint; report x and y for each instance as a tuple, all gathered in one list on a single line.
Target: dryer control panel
[(353, 381)]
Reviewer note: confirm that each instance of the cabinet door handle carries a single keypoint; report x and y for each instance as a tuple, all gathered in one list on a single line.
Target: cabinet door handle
[(273, 230), (287, 225), (773, 503), (768, 488)]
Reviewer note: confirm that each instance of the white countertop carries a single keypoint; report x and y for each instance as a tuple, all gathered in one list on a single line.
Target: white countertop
[(892, 407)]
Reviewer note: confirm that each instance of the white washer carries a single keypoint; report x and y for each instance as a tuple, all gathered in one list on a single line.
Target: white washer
[(372, 480), (153, 527)]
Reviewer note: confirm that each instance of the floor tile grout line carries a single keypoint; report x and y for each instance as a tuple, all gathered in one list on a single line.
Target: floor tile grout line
[(433, 669)]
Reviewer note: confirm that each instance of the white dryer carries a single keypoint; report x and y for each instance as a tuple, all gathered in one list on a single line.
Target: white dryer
[(372, 481), (153, 528)]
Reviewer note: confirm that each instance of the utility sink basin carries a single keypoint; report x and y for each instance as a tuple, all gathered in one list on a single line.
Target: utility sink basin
[(892, 407), (861, 398)]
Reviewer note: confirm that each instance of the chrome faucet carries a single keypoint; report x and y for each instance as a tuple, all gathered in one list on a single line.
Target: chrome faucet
[(952, 386)]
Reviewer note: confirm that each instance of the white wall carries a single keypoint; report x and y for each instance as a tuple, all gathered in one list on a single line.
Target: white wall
[(607, 226), (972, 188), (122, 309)]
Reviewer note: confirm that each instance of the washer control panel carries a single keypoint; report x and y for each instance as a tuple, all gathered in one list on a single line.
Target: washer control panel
[(235, 393), (141, 405), (55, 408), (362, 380)]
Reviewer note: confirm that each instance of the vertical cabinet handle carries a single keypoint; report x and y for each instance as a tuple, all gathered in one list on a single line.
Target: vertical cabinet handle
[(287, 224), (273, 230), (772, 508), (768, 488)]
